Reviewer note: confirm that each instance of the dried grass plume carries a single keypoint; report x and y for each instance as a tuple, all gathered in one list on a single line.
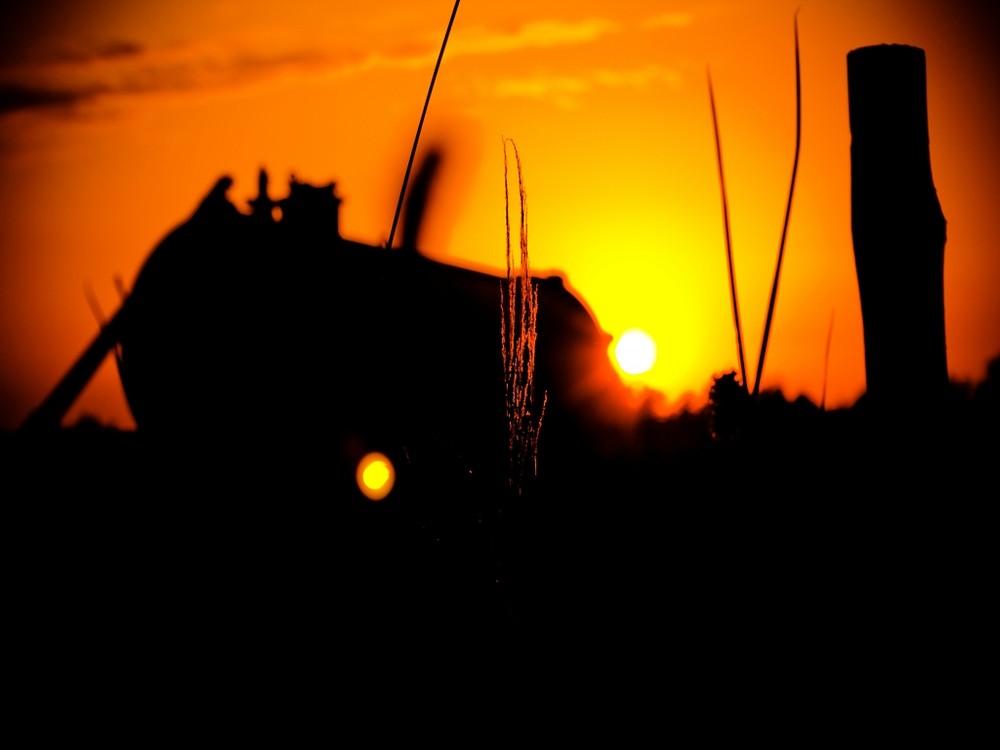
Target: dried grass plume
[(519, 316)]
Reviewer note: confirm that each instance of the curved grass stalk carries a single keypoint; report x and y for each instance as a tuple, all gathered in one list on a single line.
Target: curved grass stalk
[(788, 211), (729, 243)]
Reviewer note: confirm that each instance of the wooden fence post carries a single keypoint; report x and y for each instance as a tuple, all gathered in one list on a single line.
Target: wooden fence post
[(899, 233)]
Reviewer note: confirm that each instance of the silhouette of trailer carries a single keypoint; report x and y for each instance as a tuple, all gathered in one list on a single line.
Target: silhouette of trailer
[(267, 327)]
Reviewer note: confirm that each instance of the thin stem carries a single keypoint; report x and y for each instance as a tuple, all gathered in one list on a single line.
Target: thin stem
[(788, 211), (420, 125), (729, 244)]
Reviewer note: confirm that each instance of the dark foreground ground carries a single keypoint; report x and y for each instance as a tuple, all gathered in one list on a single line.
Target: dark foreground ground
[(840, 554)]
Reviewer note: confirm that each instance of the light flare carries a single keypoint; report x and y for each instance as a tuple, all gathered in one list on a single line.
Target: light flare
[(375, 476)]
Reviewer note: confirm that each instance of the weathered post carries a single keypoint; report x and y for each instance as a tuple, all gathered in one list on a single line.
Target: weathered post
[(899, 234)]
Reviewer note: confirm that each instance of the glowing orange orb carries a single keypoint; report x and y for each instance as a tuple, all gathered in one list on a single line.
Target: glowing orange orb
[(375, 476), (635, 351)]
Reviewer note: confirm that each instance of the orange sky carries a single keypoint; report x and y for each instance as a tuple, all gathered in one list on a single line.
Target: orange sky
[(117, 117)]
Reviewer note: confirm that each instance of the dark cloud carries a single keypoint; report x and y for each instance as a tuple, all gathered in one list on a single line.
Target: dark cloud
[(45, 85), (14, 97), (114, 50), (63, 78)]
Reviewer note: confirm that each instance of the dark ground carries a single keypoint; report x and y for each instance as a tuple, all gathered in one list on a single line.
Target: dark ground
[(818, 513), (830, 566)]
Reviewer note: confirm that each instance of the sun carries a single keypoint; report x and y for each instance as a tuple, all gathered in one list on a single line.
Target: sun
[(635, 351)]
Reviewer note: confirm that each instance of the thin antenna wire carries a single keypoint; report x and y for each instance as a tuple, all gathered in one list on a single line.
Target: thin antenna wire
[(420, 125), (788, 211), (729, 244)]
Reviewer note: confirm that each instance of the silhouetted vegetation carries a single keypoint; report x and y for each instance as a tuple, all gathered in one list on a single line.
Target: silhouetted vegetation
[(518, 340)]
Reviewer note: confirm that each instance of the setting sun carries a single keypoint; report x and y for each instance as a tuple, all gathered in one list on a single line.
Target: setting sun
[(635, 351)]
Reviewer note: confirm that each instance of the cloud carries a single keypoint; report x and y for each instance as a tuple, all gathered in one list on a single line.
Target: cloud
[(113, 50), (668, 20), (14, 97), (533, 35), (207, 70), (566, 91), (480, 41), (69, 77), (541, 87), (638, 78)]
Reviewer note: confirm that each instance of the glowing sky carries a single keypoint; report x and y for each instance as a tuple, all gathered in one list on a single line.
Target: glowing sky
[(117, 117)]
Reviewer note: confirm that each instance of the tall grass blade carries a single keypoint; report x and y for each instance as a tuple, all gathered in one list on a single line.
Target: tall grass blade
[(729, 243), (788, 211), (420, 125)]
